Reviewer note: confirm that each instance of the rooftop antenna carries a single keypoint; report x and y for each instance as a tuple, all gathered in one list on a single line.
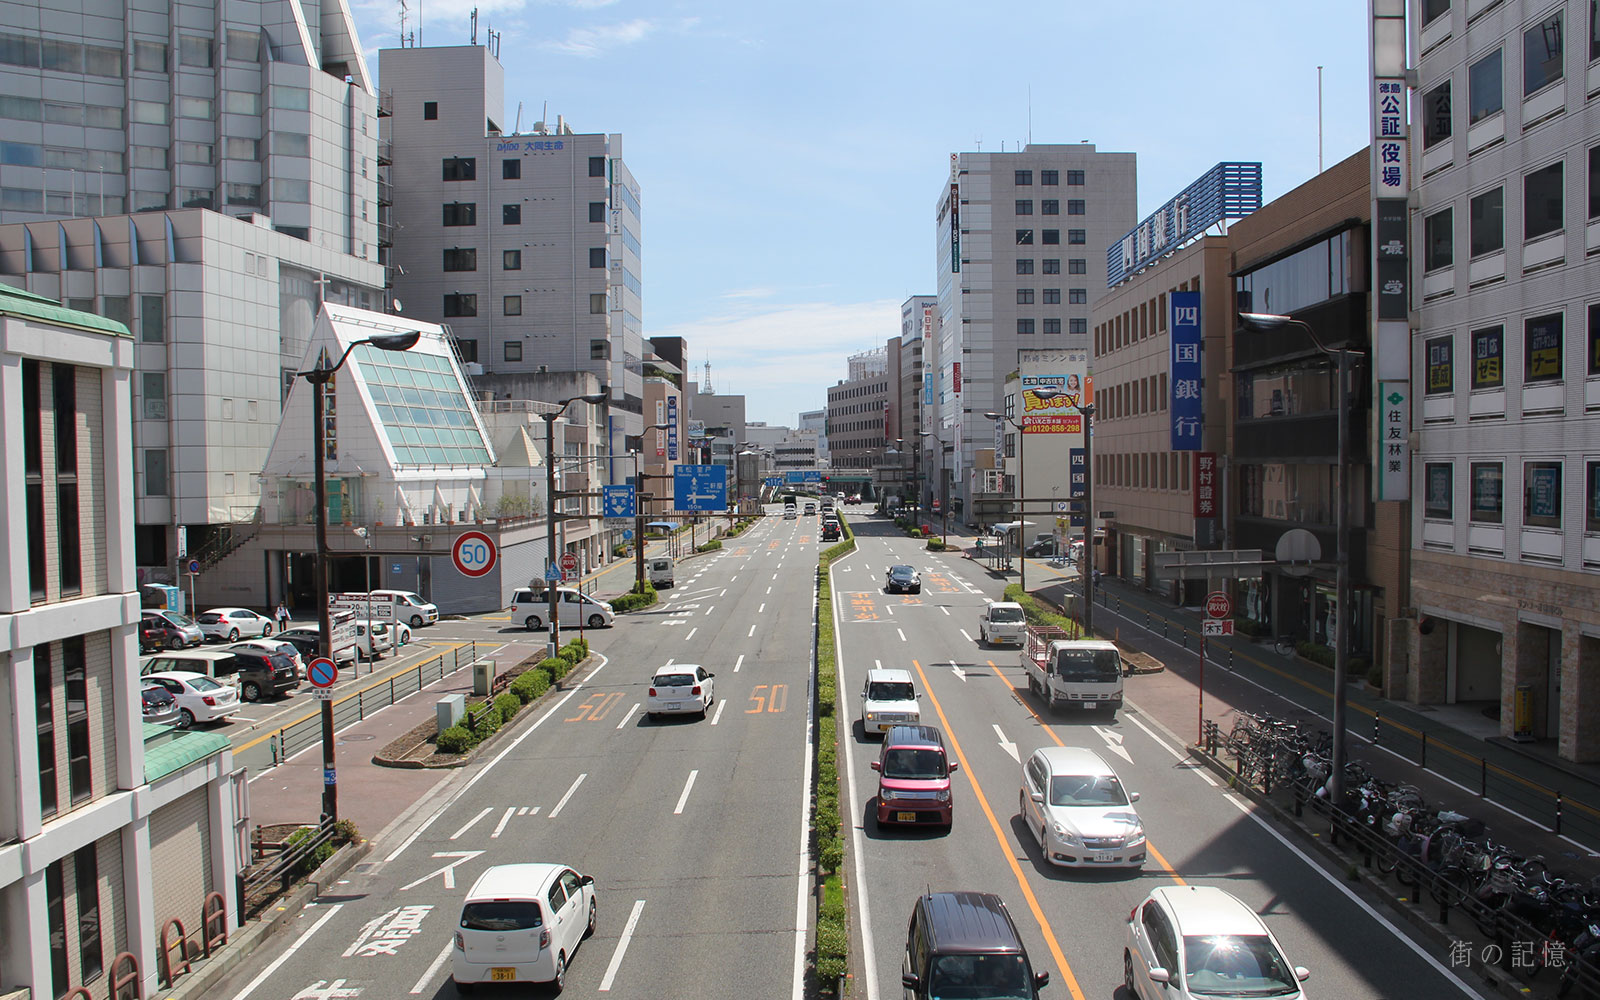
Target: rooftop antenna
[(474, 22), (494, 42), (1030, 114), (1319, 119), (516, 128), (403, 12)]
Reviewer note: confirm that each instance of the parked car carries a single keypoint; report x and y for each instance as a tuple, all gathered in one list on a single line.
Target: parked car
[(1074, 804), (1191, 941), (199, 698), (228, 624), (274, 645), (903, 580), (520, 924), (682, 687), (157, 705), (914, 777), (156, 633), (256, 673), (964, 944), (531, 608), (305, 639), (185, 632)]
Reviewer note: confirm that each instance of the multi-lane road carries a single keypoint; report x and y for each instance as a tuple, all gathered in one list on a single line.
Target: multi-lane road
[(695, 830)]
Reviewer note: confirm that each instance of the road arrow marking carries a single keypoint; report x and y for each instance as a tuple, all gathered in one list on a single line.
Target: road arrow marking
[(958, 671), (1007, 745), (1114, 743), (448, 871)]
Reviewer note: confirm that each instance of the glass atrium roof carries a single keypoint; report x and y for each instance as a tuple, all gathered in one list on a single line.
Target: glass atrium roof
[(421, 407)]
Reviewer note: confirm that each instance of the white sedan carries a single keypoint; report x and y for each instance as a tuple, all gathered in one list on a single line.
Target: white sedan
[(230, 624), (1073, 803), (680, 688), (200, 699)]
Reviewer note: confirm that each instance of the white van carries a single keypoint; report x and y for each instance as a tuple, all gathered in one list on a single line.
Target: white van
[(532, 608), (660, 570), (388, 606)]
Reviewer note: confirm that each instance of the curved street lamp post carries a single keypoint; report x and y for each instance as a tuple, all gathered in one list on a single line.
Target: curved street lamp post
[(550, 419)]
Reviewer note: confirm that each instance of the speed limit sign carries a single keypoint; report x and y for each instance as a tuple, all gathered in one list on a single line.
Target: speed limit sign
[(474, 554)]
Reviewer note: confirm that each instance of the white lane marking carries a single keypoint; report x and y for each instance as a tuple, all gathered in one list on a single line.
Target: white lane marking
[(468, 824), (524, 811), (448, 871), (944, 609), (869, 955), (762, 608), (803, 879), (902, 635), (738, 663), (958, 671), (1006, 745), (628, 715), (724, 592), (687, 786), (557, 810), (490, 766), (733, 577), (769, 589), (669, 661), (288, 953), (691, 634), (751, 632), (622, 946), (718, 716), (498, 827), (1114, 742), (534, 811), (774, 576), (889, 608), (964, 634), (710, 608), (433, 968)]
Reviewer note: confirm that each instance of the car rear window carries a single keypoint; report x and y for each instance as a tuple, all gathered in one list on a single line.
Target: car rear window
[(673, 680), (204, 684), (501, 915), (210, 618)]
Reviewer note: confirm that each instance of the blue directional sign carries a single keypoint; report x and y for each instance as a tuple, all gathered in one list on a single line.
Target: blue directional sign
[(774, 481), (794, 476), (700, 487), (812, 477), (617, 501)]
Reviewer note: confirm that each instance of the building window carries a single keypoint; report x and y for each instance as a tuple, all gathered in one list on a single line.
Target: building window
[(1052, 265), (1542, 349), (1541, 201), (75, 672), (1594, 340), (1024, 237), (1052, 296), (1436, 115), (1439, 503), (69, 541), (1075, 206), (55, 906), (1487, 493), (599, 350), (1077, 265), (1485, 95), (201, 107), (1594, 180), (33, 473), (460, 213), (1050, 206), (1486, 222), (513, 305), (460, 168), (44, 709), (513, 350), (1591, 499), (597, 256), (86, 869), (1488, 347), (466, 350), (457, 304), (1050, 178), (155, 472), (1541, 494), (597, 211), (510, 170), (1024, 265), (597, 303), (597, 166), (1077, 237), (1541, 54), (193, 50), (1433, 8), (1052, 324), (1024, 206), (1594, 30), (430, 111), (1441, 366), (1024, 326), (1078, 326), (1078, 296), (461, 259), (152, 319), (511, 215), (1438, 240), (1024, 178), (511, 260), (1025, 296), (1052, 237)]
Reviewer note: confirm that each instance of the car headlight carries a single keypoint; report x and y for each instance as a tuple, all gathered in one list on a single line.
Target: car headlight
[(1064, 835), (943, 795), (872, 716), (888, 794), (1135, 835)]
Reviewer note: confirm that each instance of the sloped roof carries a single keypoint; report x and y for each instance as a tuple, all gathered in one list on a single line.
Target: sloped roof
[(28, 305), (168, 751)]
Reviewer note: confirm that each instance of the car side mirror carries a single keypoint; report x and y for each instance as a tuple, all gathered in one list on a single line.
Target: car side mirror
[(955, 766), (1037, 797), (909, 980), (709, 675), (877, 765), (1133, 796), (1159, 975), (1041, 980), (1302, 973)]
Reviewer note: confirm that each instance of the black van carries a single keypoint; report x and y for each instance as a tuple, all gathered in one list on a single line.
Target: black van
[(963, 944)]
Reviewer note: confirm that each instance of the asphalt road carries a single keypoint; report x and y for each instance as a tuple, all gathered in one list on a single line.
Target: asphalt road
[(692, 829), (1073, 922)]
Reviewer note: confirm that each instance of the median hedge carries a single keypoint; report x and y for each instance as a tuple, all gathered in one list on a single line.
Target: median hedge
[(1038, 613), (832, 958), (488, 717), (638, 597)]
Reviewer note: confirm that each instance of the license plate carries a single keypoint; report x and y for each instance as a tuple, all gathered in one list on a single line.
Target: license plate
[(502, 974), (1089, 704), (905, 817), (673, 706), (1104, 859)]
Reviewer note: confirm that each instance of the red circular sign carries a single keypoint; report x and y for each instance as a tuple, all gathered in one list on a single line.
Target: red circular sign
[(474, 554), (569, 563), (1218, 605)]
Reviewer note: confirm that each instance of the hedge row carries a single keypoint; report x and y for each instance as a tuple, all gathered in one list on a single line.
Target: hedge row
[(635, 598), (710, 546), (487, 717), (833, 929), (1038, 613)]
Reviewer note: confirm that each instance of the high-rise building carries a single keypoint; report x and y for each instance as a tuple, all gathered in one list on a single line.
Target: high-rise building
[(1505, 536), (525, 243), (864, 411), (919, 325), (1022, 239)]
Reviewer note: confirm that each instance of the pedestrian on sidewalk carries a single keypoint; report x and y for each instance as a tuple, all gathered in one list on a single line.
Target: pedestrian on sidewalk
[(283, 617)]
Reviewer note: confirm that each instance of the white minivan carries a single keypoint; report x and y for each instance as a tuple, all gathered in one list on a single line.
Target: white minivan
[(532, 608), (521, 923)]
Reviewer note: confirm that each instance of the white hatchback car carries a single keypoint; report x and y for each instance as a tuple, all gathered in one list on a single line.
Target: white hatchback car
[(1074, 804), (199, 698), (520, 924), (1195, 941), (682, 687), (230, 624), (889, 699)]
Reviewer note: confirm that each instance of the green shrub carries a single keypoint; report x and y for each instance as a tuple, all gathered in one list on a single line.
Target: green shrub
[(311, 862), (1250, 627), (831, 856), (710, 546), (345, 832), (554, 666), (1315, 652), (456, 739), (508, 705), (914, 532), (620, 549), (530, 684), (936, 544)]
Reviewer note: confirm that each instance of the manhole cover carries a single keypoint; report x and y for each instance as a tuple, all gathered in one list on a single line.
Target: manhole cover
[(359, 737)]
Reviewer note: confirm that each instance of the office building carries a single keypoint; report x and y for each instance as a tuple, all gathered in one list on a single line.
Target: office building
[(864, 410), (919, 325)]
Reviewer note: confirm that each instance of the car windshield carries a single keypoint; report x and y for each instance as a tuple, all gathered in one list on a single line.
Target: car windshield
[(1005, 614), (1236, 965), (891, 691), (500, 915), (673, 680), (989, 977), (900, 571), (204, 684), (178, 619), (1095, 665), (1087, 790), (913, 764)]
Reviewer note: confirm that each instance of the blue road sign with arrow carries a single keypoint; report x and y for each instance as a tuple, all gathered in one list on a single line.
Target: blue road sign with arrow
[(700, 487), (812, 477), (617, 501), (774, 481)]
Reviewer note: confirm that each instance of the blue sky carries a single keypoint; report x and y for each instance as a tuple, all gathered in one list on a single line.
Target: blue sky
[(790, 154)]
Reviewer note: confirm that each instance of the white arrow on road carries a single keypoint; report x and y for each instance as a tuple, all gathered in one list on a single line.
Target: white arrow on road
[(958, 671), (1006, 745), (1114, 743), (448, 871)]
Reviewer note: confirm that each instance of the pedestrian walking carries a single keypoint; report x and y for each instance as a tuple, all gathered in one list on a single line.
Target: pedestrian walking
[(283, 617)]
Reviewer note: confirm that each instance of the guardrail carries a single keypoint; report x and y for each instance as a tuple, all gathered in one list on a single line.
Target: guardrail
[(306, 731), (283, 870)]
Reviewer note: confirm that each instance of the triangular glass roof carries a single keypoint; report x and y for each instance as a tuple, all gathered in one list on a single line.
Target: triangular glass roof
[(421, 408)]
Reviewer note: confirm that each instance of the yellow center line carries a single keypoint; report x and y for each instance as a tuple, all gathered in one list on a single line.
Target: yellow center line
[(1148, 846), (1005, 846)]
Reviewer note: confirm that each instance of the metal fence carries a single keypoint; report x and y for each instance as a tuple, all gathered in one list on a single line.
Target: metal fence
[(352, 708)]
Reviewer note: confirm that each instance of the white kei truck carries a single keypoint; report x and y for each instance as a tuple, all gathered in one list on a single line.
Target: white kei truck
[(1085, 674), (1002, 622)]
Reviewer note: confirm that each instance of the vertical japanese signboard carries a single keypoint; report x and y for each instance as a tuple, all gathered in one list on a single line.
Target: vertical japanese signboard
[(1205, 485), (672, 429), (1077, 479), (661, 418), (1390, 358), (1394, 427), (1187, 372), (955, 377)]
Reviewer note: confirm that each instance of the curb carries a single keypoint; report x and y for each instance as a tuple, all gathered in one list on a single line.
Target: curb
[(249, 939)]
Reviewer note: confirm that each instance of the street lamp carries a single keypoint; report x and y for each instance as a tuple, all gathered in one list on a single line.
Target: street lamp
[(550, 501), (944, 487), (319, 377), (1341, 622)]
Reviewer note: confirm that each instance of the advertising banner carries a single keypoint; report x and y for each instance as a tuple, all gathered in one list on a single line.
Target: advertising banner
[(1187, 372), (1205, 484), (672, 431)]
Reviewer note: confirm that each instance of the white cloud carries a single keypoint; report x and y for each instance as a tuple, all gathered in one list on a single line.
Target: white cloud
[(596, 41), (749, 293), (579, 4)]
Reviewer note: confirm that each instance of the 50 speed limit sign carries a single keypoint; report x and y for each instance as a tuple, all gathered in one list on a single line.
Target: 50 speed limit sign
[(474, 554)]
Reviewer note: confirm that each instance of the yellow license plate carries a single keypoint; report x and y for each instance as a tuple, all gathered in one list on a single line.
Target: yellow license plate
[(500, 974), (905, 817)]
